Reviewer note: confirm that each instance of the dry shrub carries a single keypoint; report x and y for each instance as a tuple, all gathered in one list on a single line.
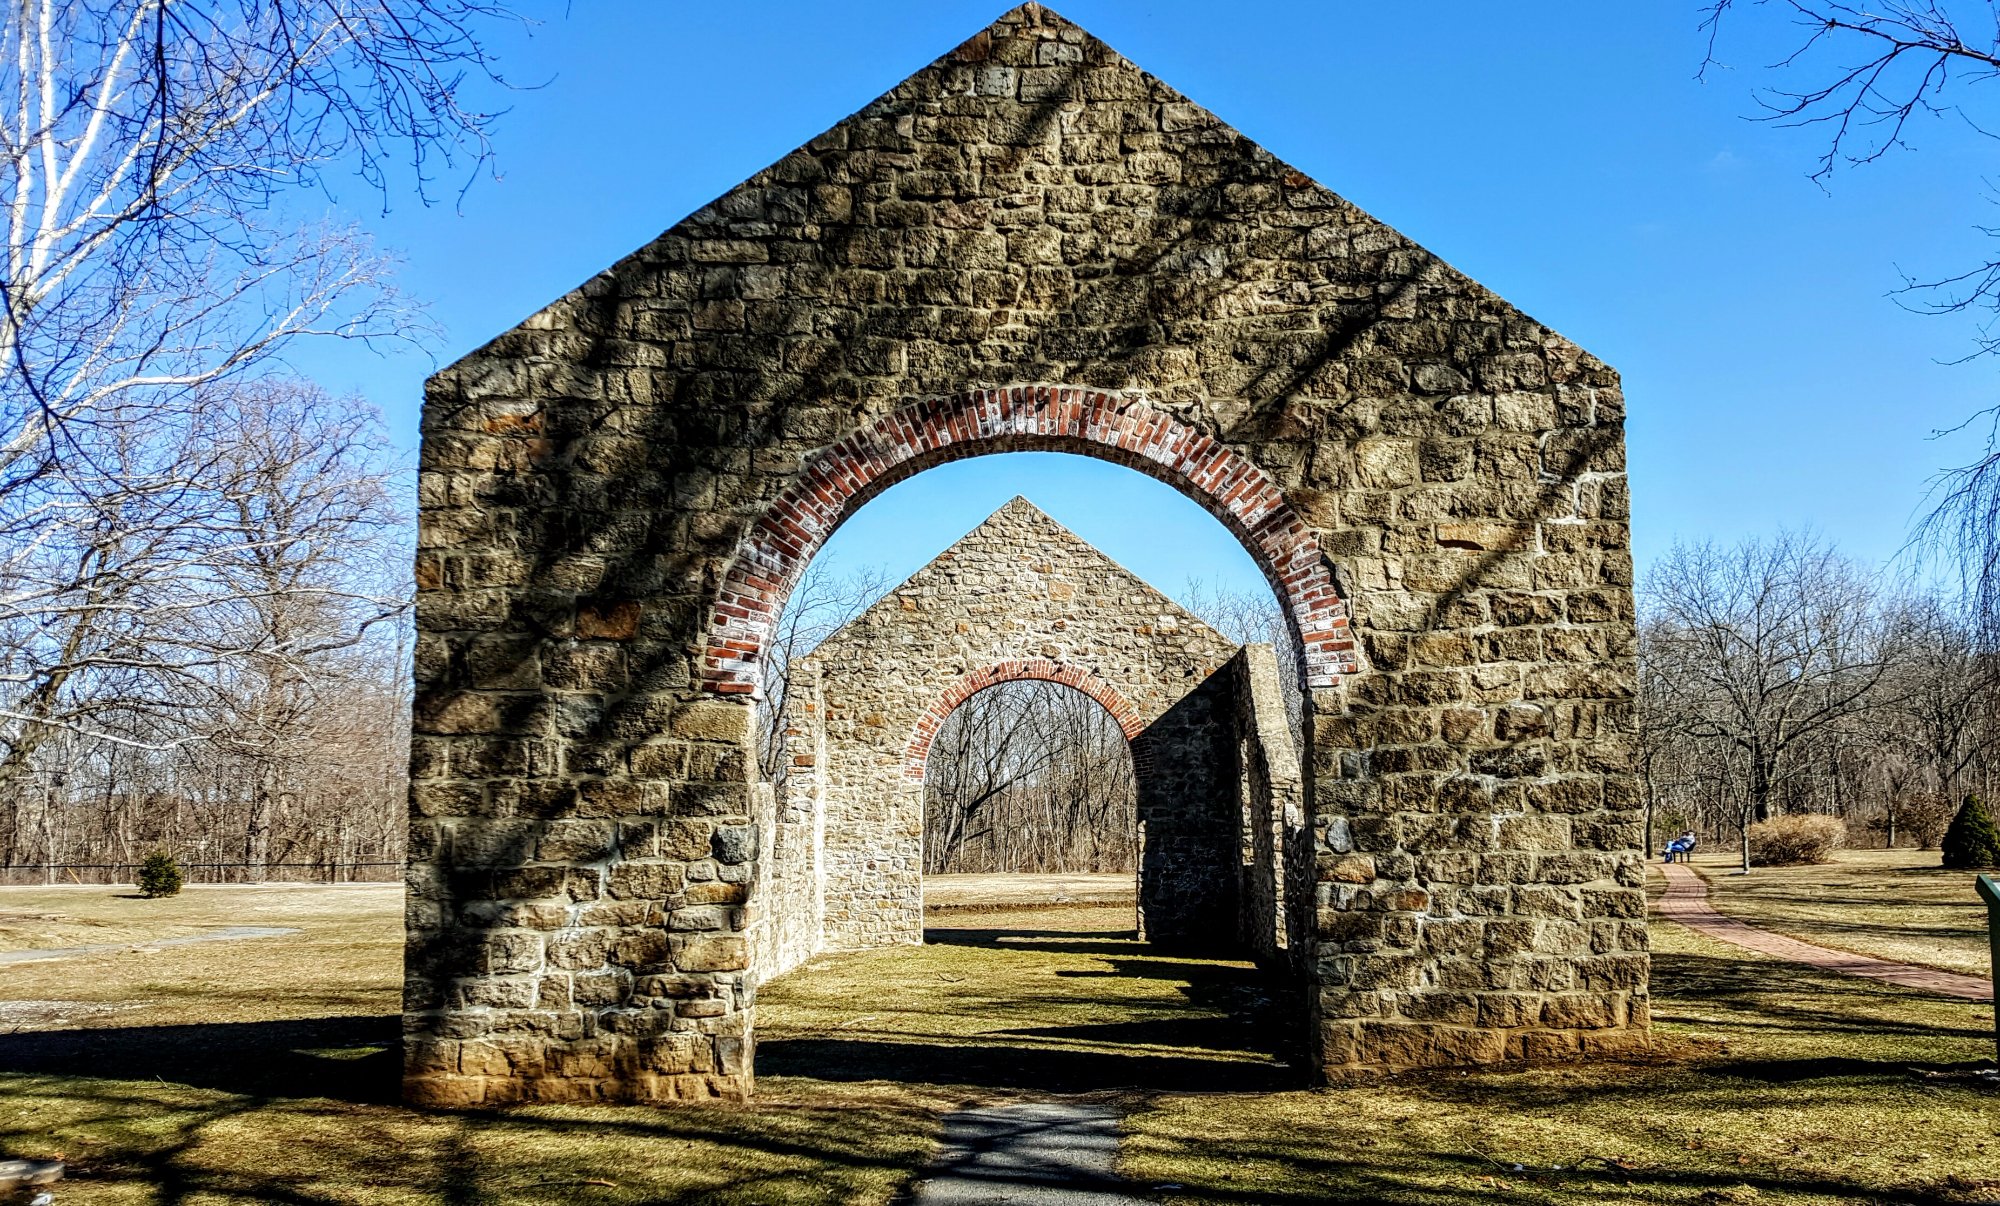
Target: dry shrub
[(1795, 840), (1925, 816)]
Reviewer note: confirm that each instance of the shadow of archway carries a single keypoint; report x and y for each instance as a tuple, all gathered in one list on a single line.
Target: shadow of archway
[(1043, 1010), (354, 1058)]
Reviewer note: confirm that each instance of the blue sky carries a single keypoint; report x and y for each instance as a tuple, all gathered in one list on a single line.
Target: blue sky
[(1562, 153)]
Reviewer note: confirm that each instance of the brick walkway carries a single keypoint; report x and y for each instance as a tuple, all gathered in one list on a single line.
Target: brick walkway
[(1686, 901)]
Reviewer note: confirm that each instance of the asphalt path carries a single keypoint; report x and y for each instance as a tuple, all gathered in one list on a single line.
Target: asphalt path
[(232, 933), (1044, 1153)]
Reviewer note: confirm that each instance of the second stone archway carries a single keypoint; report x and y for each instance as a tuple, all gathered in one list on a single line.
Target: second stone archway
[(1019, 597)]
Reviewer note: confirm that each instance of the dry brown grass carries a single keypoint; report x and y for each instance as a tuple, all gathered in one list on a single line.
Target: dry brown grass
[(1013, 1001), (1023, 891), (1892, 904), (40, 918), (263, 1071), (346, 958), (1771, 1085)]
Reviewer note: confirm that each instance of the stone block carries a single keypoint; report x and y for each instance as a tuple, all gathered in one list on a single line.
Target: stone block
[(639, 948), (685, 839), (645, 881), (710, 952), (712, 722), (1580, 1011), (574, 841)]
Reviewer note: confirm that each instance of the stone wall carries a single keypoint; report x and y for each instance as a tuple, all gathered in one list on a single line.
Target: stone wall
[(1272, 806), (1030, 244), (790, 915), (1019, 596)]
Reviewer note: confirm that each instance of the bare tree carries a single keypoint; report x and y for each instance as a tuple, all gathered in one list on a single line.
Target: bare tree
[(1861, 78), (309, 496), (1661, 725), (1770, 644), (1254, 617), (1881, 711), (244, 535), (190, 548), (825, 601), (151, 153), (87, 807), (1939, 693), (1030, 776)]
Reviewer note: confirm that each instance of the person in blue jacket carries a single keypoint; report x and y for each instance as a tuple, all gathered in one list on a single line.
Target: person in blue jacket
[(1681, 848)]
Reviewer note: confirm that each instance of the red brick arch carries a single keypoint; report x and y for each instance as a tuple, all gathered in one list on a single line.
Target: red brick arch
[(1039, 418), (1038, 669)]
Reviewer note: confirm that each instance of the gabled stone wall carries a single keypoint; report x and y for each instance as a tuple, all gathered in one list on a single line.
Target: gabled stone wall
[(1019, 597), (1029, 244)]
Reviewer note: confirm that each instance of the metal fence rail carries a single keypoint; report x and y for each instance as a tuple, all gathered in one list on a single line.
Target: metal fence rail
[(44, 874)]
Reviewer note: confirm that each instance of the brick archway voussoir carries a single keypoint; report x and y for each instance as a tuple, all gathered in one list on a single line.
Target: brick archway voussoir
[(1015, 670), (1120, 428)]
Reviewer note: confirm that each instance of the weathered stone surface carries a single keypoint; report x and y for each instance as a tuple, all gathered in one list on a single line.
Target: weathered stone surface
[(1020, 250)]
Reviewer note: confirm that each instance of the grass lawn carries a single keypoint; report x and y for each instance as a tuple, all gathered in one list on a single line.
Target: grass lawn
[(262, 1071), (95, 914), (1893, 904), (346, 959), (1060, 999), (1772, 1085)]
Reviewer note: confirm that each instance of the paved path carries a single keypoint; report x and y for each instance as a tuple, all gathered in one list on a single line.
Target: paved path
[(232, 933), (1686, 901), (1014, 889), (1045, 1153)]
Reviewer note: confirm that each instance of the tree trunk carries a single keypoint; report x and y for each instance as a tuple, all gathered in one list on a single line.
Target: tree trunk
[(257, 834), (1646, 842)]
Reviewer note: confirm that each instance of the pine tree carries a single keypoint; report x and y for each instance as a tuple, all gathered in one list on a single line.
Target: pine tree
[(160, 875), (1972, 840)]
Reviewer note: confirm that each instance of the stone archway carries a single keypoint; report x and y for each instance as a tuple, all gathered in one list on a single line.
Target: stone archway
[(1019, 597), (614, 494)]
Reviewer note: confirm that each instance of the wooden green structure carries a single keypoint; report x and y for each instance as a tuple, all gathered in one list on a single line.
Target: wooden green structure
[(1989, 890)]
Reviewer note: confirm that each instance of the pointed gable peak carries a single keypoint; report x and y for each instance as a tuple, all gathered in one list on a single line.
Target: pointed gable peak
[(1018, 507), (1020, 17), (1025, 558), (1018, 518), (1035, 15)]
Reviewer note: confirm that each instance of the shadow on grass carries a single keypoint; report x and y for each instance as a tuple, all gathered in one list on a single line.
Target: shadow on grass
[(352, 1058), (1774, 994), (1057, 942), (1435, 1178), (1234, 1035), (1794, 1071), (1855, 1055), (1230, 1030), (1024, 1066), (176, 1148)]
